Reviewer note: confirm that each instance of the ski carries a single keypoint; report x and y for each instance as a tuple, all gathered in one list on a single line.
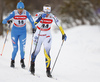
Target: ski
[(47, 77), (53, 78), (36, 75)]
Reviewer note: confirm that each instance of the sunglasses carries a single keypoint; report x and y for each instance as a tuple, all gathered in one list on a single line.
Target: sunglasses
[(47, 12)]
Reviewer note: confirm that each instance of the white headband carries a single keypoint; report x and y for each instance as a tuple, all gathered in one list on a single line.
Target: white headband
[(47, 9)]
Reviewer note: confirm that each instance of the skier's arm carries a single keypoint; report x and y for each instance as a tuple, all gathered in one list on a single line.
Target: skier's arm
[(58, 24), (30, 19), (11, 15), (39, 17), (60, 27), (38, 20)]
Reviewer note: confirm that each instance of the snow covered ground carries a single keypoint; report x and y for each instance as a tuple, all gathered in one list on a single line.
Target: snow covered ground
[(79, 59)]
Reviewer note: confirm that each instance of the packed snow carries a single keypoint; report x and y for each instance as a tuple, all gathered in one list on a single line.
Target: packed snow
[(78, 61)]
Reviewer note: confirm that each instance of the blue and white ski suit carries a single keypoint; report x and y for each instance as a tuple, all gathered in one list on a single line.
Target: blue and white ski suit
[(44, 33), (19, 31)]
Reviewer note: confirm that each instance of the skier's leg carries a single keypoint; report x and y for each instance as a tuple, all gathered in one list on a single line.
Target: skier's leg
[(14, 39), (47, 47), (22, 39), (36, 50)]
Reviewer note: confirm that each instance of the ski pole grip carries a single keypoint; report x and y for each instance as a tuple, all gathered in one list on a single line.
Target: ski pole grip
[(9, 21)]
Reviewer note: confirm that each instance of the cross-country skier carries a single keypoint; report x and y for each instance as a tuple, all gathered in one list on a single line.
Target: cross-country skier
[(19, 31), (43, 35)]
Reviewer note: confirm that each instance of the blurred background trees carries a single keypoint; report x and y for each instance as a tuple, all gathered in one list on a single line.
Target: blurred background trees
[(80, 12), (71, 12), (1, 16)]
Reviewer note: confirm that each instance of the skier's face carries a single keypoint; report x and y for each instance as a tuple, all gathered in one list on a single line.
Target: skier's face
[(47, 13), (20, 11), (47, 10)]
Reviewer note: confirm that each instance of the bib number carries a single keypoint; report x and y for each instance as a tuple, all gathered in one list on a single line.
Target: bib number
[(20, 22), (45, 25)]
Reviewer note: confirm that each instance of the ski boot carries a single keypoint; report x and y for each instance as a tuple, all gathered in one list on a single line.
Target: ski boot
[(48, 73), (32, 68), (22, 63), (12, 63)]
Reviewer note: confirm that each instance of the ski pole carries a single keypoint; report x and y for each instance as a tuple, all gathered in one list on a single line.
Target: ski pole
[(57, 56), (37, 41), (9, 22), (34, 50), (30, 51)]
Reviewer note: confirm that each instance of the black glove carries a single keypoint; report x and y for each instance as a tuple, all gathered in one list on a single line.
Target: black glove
[(33, 30), (9, 21), (64, 37)]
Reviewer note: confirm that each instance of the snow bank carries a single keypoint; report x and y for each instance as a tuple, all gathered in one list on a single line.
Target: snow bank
[(79, 59)]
